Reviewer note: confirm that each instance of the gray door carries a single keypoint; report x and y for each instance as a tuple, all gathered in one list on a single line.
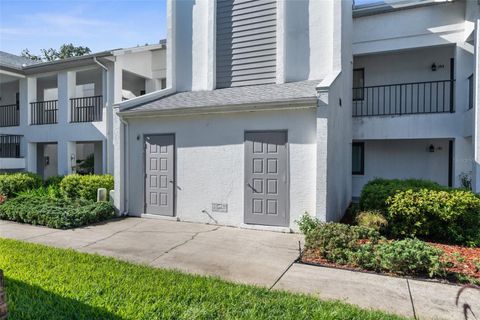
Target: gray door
[(266, 178), (159, 174)]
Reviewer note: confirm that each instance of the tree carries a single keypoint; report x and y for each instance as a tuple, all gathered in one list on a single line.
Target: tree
[(65, 51)]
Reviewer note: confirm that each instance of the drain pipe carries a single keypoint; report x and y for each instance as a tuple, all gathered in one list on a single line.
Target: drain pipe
[(100, 64), (126, 156)]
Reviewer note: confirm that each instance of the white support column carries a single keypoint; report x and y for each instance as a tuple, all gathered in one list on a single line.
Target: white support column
[(31, 157), (66, 90), (31, 96), (67, 157), (24, 105), (114, 92)]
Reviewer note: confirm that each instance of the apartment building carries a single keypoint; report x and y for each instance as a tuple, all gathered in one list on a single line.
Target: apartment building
[(254, 127), (270, 108), (56, 117), (415, 92), (274, 108)]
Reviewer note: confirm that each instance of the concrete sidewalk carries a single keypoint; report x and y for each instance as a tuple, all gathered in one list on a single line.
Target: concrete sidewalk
[(249, 256)]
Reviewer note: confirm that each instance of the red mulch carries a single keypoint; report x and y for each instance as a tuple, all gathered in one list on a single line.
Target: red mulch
[(461, 260)]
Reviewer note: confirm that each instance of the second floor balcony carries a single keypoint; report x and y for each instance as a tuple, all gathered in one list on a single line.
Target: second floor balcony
[(404, 98), (86, 109), (10, 115), (44, 112)]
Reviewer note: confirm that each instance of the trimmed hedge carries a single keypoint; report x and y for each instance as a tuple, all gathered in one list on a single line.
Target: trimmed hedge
[(375, 193), (13, 183), (451, 216), (365, 248), (403, 257), (55, 213), (85, 186), (338, 242)]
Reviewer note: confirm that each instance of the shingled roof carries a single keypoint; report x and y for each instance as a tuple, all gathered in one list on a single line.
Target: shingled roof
[(248, 95), (14, 61)]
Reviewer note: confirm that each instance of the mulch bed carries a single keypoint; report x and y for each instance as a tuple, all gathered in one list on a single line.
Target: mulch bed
[(460, 260)]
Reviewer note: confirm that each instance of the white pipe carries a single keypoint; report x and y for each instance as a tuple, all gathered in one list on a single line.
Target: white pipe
[(125, 166), (100, 64)]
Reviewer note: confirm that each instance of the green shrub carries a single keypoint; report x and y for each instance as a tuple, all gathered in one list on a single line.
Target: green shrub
[(404, 257), (338, 242), (70, 186), (375, 193), (307, 223), (372, 219), (53, 181), (11, 184), (77, 186), (452, 216), (39, 209)]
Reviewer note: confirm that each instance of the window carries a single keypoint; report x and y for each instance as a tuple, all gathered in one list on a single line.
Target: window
[(163, 83), (358, 83), (358, 158)]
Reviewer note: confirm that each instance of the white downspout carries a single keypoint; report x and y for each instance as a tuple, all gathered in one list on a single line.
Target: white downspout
[(126, 165)]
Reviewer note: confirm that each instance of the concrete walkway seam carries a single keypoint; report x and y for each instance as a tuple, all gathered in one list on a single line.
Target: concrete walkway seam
[(411, 299)]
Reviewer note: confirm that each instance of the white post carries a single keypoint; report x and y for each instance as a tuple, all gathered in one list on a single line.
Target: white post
[(66, 90), (67, 157), (31, 96), (31, 157)]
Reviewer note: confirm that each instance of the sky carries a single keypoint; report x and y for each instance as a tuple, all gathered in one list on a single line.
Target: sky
[(97, 24)]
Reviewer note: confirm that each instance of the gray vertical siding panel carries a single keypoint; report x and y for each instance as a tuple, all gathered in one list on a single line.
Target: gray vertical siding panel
[(246, 42)]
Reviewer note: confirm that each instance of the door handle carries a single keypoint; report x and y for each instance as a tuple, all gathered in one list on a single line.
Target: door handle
[(254, 190)]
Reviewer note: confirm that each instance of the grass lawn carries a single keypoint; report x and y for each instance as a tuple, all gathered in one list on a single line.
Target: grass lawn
[(48, 283)]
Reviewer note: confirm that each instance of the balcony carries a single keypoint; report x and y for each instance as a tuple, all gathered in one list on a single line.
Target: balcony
[(9, 115), (404, 99), (87, 109), (44, 112)]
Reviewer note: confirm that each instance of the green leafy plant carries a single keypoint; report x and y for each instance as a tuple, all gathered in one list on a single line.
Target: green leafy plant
[(38, 208), (53, 181), (372, 219), (375, 193), (404, 257), (85, 186), (11, 184), (338, 242), (451, 216), (307, 223)]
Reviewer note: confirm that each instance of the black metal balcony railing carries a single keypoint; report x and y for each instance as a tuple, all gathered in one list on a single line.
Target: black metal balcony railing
[(86, 109), (10, 146), (44, 112), (404, 98), (9, 115)]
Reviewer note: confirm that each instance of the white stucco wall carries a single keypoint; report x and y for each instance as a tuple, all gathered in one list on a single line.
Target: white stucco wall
[(418, 27), (403, 159), (210, 161)]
